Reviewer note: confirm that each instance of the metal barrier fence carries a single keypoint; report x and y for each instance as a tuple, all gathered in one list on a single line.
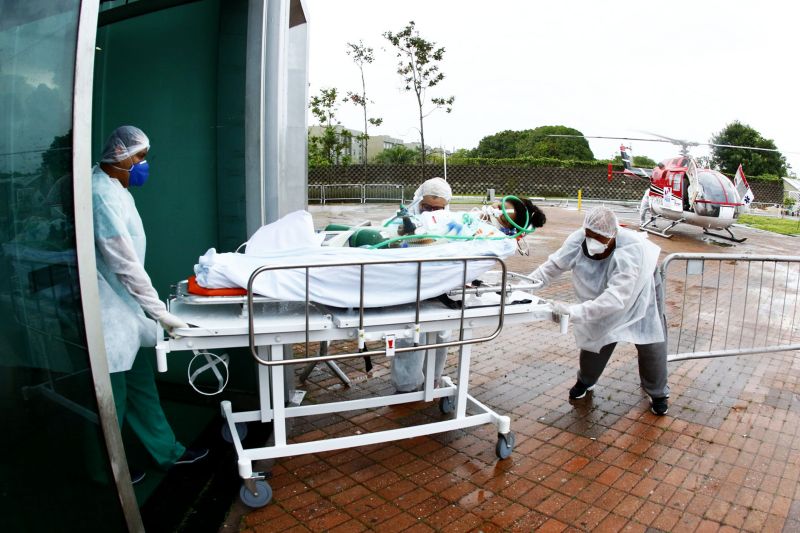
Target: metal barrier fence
[(721, 305), (383, 192), (343, 192), (316, 194)]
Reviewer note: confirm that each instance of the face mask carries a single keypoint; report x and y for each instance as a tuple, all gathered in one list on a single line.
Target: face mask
[(138, 174), (595, 247)]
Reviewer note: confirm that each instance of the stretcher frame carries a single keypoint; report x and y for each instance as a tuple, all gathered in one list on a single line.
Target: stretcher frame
[(266, 339)]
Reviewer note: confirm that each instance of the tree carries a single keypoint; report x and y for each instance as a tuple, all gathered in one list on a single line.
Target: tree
[(754, 162), (398, 155), (330, 148), (502, 145), (418, 65), (362, 55), (539, 143), (536, 143), (459, 155)]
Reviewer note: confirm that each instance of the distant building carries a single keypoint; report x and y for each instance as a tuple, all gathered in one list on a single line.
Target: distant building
[(375, 144), (791, 189), (354, 146), (378, 143), (429, 150)]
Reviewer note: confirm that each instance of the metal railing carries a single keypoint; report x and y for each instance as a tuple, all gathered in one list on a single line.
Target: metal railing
[(720, 305), (363, 352), (383, 192), (316, 193), (356, 192), (343, 192)]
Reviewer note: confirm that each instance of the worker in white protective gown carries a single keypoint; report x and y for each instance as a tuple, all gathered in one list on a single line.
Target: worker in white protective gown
[(620, 299), (130, 306), (407, 368), (644, 208)]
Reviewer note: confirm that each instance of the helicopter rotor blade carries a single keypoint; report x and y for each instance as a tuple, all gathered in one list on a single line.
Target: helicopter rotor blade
[(610, 138), (680, 142), (744, 147), (670, 140)]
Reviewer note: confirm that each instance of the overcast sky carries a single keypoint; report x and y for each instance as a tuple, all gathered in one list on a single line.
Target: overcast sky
[(683, 69)]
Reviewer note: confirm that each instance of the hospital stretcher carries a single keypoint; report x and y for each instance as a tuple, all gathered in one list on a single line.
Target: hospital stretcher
[(270, 327)]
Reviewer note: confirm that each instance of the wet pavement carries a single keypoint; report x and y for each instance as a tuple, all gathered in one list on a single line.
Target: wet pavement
[(725, 458)]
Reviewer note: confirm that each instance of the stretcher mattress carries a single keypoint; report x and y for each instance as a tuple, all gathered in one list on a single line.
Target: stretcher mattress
[(339, 286)]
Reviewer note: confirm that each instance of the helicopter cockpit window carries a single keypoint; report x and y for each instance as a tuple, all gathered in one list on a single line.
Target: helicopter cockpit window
[(676, 181), (716, 190)]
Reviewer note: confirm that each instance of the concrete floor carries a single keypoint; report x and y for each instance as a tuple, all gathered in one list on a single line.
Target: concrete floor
[(725, 458)]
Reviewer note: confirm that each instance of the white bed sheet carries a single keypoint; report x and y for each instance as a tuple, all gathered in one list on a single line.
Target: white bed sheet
[(339, 286)]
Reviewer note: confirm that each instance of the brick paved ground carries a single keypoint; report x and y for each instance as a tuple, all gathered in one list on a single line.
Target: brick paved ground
[(726, 458)]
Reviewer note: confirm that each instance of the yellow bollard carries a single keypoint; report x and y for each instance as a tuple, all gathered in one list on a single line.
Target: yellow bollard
[(580, 192)]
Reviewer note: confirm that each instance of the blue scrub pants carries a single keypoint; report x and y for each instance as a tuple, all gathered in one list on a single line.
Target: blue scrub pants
[(138, 404)]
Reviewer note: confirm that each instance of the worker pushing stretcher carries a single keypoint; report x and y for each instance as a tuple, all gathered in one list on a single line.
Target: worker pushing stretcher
[(301, 291)]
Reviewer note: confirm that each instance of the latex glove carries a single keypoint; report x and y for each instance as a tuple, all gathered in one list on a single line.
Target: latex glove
[(559, 309), (170, 322)]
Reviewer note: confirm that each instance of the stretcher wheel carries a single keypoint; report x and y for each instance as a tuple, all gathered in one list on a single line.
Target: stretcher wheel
[(261, 498), (241, 430), (505, 445), (447, 405)]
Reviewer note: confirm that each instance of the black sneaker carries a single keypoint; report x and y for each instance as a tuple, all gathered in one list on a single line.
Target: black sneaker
[(579, 390), (659, 406), (137, 476), (192, 455)]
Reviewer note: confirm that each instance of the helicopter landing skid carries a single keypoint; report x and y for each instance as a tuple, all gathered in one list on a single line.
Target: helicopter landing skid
[(654, 229), (731, 237)]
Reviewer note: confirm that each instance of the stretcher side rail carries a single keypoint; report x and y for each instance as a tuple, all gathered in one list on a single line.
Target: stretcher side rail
[(361, 331)]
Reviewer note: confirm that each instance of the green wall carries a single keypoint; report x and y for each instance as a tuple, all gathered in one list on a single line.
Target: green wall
[(178, 74), (158, 72)]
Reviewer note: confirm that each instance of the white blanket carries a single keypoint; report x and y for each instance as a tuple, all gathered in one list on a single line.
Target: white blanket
[(339, 286)]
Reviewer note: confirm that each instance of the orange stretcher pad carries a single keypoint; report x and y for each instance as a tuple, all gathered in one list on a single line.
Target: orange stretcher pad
[(194, 288)]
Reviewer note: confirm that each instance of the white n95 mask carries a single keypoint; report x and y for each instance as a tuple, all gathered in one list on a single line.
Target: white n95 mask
[(595, 247)]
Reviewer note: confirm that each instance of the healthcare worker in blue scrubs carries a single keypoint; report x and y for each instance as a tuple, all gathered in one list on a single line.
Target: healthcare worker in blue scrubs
[(619, 300), (130, 305)]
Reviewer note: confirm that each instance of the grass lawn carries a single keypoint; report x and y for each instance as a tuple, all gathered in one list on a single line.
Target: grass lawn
[(784, 226)]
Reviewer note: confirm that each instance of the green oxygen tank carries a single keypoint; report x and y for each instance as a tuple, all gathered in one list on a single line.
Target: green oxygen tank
[(366, 237)]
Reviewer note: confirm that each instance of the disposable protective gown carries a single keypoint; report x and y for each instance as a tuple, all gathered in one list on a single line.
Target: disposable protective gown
[(125, 287), (617, 294)]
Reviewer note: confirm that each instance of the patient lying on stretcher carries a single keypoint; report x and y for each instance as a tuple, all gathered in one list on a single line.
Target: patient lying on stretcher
[(511, 217), (293, 242)]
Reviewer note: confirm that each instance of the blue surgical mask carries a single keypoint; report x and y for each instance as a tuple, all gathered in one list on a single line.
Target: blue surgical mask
[(138, 174)]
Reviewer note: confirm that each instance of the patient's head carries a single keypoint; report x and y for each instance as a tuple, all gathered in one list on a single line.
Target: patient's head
[(522, 211)]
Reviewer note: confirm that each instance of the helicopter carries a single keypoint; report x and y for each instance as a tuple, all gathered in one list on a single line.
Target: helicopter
[(683, 192)]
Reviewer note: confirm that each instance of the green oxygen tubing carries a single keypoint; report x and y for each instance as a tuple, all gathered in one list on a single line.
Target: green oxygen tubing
[(462, 238), (431, 236), (510, 220)]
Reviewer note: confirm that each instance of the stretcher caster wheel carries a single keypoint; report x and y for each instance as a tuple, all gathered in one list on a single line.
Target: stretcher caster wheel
[(241, 430), (447, 405), (505, 445), (261, 497)]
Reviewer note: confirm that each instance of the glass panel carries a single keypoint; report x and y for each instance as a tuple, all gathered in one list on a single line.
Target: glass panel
[(54, 468), (715, 188)]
